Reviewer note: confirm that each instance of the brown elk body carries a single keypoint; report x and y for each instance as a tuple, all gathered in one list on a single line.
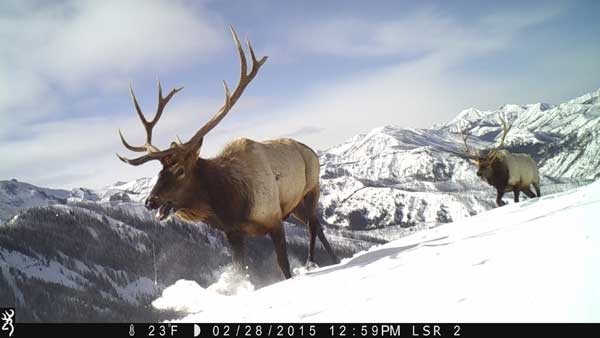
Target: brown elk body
[(506, 171), (248, 189)]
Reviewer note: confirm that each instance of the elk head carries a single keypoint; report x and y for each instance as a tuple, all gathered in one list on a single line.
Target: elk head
[(176, 180), (484, 163)]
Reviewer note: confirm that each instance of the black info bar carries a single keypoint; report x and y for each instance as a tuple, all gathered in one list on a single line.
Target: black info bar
[(305, 330)]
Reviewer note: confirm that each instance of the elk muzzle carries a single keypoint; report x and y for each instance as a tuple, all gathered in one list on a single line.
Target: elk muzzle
[(163, 209), (151, 203)]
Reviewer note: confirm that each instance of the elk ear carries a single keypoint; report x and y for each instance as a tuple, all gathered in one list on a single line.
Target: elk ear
[(167, 161)]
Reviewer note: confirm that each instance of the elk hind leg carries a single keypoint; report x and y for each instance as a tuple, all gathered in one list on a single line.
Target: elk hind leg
[(301, 213), (278, 237), (319, 230), (315, 228), (516, 192), (527, 191), (536, 185)]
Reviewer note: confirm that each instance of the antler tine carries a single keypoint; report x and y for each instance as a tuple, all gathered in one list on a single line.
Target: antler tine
[(153, 152), (156, 155), (147, 126), (505, 129), (162, 102), (128, 146), (238, 45), (465, 137), (137, 105), (230, 98), (227, 93), (254, 61)]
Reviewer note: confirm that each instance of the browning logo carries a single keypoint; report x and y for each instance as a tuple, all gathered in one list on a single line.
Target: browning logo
[(7, 315)]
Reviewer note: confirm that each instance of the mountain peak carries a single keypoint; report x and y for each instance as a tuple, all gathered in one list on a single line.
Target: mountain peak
[(589, 98)]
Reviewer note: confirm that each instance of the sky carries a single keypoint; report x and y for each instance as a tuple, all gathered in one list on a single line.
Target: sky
[(335, 69)]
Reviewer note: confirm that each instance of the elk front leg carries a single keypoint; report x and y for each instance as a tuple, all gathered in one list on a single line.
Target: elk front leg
[(236, 241), (516, 192), (278, 237), (499, 201)]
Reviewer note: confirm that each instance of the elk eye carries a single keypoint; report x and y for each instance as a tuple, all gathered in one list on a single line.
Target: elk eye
[(179, 172)]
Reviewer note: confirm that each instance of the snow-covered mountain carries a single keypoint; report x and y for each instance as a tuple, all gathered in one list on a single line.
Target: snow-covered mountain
[(536, 261), (16, 196), (394, 176), (86, 261), (397, 177), (96, 253)]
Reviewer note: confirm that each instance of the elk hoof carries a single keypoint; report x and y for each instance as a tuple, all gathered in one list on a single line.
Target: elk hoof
[(311, 265)]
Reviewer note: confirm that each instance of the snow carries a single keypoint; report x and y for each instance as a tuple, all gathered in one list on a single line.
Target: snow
[(231, 282), (49, 271), (16, 196), (136, 190), (12, 284), (393, 176), (393, 182), (125, 231), (535, 261)]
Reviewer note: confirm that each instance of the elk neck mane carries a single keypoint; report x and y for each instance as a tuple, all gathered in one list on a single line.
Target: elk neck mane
[(501, 173), (223, 191)]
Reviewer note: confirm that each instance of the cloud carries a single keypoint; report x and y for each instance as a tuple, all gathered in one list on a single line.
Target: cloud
[(80, 151), (416, 33), (60, 51), (421, 68), (306, 130), (433, 73)]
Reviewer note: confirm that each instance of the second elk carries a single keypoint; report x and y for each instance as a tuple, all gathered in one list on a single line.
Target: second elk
[(504, 170)]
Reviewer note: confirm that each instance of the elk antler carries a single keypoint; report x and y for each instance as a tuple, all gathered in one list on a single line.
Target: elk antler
[(153, 152), (465, 136), (196, 141), (230, 99), (506, 128)]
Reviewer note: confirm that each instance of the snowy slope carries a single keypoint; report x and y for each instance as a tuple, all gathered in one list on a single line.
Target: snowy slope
[(99, 261), (566, 137), (536, 261), (136, 190), (16, 196), (392, 178), (396, 177), (375, 187)]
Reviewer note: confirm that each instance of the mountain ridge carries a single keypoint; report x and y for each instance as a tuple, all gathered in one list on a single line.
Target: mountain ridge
[(64, 246)]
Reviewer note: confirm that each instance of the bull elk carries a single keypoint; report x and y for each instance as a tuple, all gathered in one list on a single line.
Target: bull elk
[(505, 171), (248, 189)]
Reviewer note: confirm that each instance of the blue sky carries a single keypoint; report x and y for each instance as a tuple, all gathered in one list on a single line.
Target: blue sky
[(335, 69)]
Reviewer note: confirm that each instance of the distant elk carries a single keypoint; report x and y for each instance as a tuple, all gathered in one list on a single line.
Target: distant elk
[(248, 189), (506, 171)]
